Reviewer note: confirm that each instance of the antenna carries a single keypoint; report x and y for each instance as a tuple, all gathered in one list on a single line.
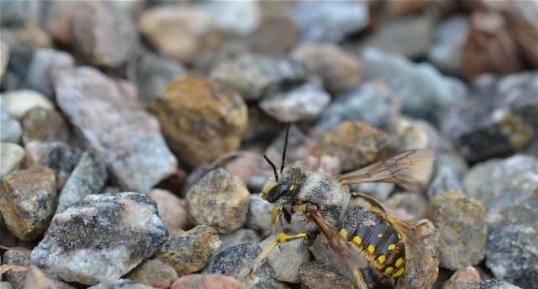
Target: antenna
[(285, 147), (272, 165)]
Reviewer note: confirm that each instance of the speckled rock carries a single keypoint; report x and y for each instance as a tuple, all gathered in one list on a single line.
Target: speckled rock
[(277, 35), (240, 236), (411, 204), (36, 279), (329, 21), (448, 172), (42, 125), (219, 200), (58, 156), (19, 257), (356, 144), (189, 251), (154, 273), (287, 259), (467, 278), (19, 102), (200, 118), (259, 214), (489, 124), (303, 102), (207, 281), (120, 230), (120, 284), (446, 53), (461, 221), (496, 284), (172, 210), (11, 157), (317, 276), (338, 69), (373, 102), (87, 178), (237, 261), (125, 137), (27, 201), (254, 75)]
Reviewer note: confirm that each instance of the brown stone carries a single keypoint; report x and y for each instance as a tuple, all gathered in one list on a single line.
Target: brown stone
[(172, 210)]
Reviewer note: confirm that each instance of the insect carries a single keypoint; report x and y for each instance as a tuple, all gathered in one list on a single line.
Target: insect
[(352, 229)]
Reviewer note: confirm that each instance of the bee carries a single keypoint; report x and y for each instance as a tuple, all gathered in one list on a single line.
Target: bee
[(351, 230)]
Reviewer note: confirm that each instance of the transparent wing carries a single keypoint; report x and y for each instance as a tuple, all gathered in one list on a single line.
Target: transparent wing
[(408, 168)]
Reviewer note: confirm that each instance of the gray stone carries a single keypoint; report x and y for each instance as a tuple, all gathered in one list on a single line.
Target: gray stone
[(18, 257), (11, 130), (287, 258), (496, 284), (101, 238), (448, 172), (14, 13), (322, 21), (317, 276), (239, 17), (44, 69), (19, 102), (11, 157), (120, 284), (5, 285), (411, 204), (446, 53), (238, 237), (41, 125), (125, 137), (87, 178), (274, 36), (36, 279), (304, 102), (259, 214)]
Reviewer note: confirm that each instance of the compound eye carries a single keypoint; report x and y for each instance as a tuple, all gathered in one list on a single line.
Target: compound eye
[(276, 192)]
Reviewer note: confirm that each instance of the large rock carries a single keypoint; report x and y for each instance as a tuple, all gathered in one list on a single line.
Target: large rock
[(101, 238), (125, 137)]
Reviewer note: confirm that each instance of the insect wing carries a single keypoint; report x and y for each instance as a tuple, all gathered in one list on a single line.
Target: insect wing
[(408, 169)]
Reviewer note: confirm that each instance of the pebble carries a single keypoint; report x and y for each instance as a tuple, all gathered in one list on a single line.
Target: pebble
[(338, 69), (206, 281), (413, 204), (11, 127), (236, 261), (188, 252), (461, 221), (201, 119), (220, 200), (317, 276), (19, 102), (120, 284), (275, 36), (154, 273), (490, 124), (5, 285), (42, 125), (466, 278), (27, 201), (14, 13), (259, 214), (153, 74), (36, 279), (125, 137), (172, 210), (424, 92), (4, 58), (110, 233), (304, 102), (496, 284), (255, 75), (356, 144), (20, 257), (372, 102), (87, 178), (45, 68), (60, 157), (240, 17), (446, 53), (240, 236), (11, 157), (322, 21), (448, 172), (287, 258)]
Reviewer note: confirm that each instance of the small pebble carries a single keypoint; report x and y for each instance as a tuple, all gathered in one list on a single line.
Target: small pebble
[(413, 204), (206, 281), (496, 284), (11, 127), (468, 278), (27, 201), (154, 273), (20, 257), (19, 102), (446, 53), (36, 279), (238, 237), (172, 210), (276, 36), (188, 252), (220, 200), (45, 68), (11, 157), (448, 172), (120, 284), (287, 258), (42, 125), (259, 214), (4, 58), (317, 276)]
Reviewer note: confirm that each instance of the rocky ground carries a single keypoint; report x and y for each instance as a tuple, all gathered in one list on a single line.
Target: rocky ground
[(132, 134)]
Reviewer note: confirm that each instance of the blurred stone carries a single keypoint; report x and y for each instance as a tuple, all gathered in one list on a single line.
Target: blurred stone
[(19, 102), (200, 118), (287, 259), (338, 69), (125, 137), (420, 134), (255, 75), (424, 92), (496, 284), (489, 47), (27, 201), (42, 125), (189, 251), (11, 128), (153, 74), (45, 68), (206, 281), (36, 279), (524, 30), (20, 57), (31, 34), (448, 172), (172, 210), (490, 124), (154, 273), (238, 237), (467, 278), (461, 221), (111, 233), (317, 276), (14, 13), (4, 58), (447, 51), (11, 157), (58, 156), (20, 257), (5, 285), (412, 204), (120, 284), (240, 17), (322, 21), (274, 36), (380, 191), (356, 144), (87, 178), (218, 48), (304, 102), (259, 214), (402, 8), (220, 200), (373, 102), (250, 168)]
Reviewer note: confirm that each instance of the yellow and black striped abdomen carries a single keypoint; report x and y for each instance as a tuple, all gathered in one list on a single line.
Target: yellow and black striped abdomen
[(377, 239)]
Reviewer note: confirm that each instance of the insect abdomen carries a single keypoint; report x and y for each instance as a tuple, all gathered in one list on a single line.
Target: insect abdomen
[(380, 243)]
